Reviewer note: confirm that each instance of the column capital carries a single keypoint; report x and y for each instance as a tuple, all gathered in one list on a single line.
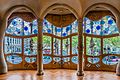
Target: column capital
[(80, 20), (40, 21)]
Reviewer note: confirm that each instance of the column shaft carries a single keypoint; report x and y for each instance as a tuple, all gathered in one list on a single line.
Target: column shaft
[(3, 64), (80, 48), (39, 48)]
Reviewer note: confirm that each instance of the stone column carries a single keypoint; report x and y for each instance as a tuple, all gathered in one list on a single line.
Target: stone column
[(80, 48), (3, 65), (39, 48)]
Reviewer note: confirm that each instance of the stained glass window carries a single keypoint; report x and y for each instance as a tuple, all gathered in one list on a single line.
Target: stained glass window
[(30, 46), (30, 59), (19, 27), (47, 27), (57, 48), (12, 45), (93, 60), (34, 27), (66, 47), (27, 28), (105, 26), (15, 27), (46, 45), (58, 31), (75, 45), (14, 59), (93, 46), (112, 45), (74, 26), (75, 59), (46, 59), (110, 60)]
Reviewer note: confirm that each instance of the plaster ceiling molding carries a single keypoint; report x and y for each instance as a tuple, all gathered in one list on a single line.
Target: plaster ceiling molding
[(60, 17), (60, 20), (99, 14), (61, 4), (26, 16)]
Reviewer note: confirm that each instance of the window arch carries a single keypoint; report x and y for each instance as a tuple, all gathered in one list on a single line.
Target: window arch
[(102, 41), (20, 45)]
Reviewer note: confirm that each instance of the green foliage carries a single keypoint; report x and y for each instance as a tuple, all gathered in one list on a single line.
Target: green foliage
[(46, 40), (114, 41), (74, 41)]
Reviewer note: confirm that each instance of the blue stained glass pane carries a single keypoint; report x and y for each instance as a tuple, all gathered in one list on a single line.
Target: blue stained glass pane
[(59, 30), (110, 22), (30, 46), (67, 29), (75, 59), (102, 22), (74, 27), (14, 59), (108, 26), (47, 59), (64, 34), (110, 60), (14, 23), (25, 28), (93, 60), (34, 27), (87, 31), (48, 30), (15, 27), (98, 27), (30, 59), (35, 31), (47, 27)]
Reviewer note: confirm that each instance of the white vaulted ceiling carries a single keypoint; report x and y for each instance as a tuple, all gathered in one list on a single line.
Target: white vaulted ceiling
[(39, 6)]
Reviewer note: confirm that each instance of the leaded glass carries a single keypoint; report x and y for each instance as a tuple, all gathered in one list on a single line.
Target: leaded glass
[(93, 46), (112, 45), (75, 45), (15, 27), (46, 45), (14, 59), (12, 45), (74, 27), (47, 59), (58, 31), (110, 60), (30, 46), (27, 28), (105, 26), (30, 59), (34, 27), (87, 26), (66, 47), (109, 27), (47, 27), (56, 46), (93, 60), (75, 59), (57, 59), (96, 28), (66, 59)]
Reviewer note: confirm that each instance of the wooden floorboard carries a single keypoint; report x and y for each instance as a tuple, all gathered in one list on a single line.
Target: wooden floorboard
[(58, 74)]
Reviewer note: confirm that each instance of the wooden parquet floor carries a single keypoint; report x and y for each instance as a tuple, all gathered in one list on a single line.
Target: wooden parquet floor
[(58, 74)]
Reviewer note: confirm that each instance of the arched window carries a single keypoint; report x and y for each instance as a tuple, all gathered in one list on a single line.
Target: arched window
[(20, 45), (101, 43), (59, 44)]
